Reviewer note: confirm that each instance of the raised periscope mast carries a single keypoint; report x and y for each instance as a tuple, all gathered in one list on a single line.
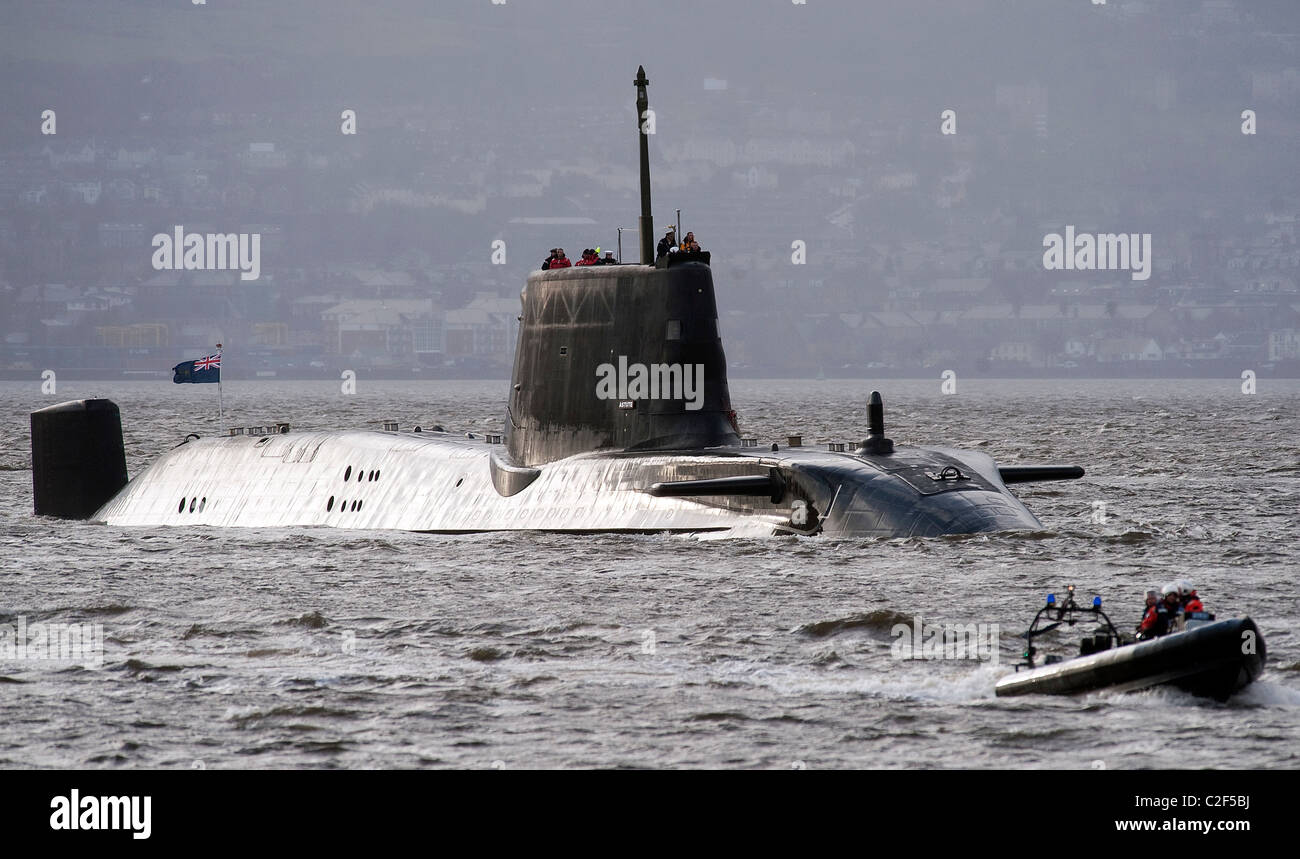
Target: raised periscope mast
[(623, 356)]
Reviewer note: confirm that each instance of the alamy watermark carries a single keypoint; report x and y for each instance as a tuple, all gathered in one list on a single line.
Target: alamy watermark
[(54, 642), (976, 641), (1102, 251), (630, 382), (130, 813), (208, 252), (948, 122)]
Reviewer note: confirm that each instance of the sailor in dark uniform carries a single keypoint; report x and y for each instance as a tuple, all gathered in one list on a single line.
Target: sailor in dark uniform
[(1172, 602), (667, 244)]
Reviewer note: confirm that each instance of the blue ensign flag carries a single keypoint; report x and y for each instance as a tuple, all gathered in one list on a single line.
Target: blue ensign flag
[(203, 370)]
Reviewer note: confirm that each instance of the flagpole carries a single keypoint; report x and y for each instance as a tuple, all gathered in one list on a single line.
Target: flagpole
[(221, 405)]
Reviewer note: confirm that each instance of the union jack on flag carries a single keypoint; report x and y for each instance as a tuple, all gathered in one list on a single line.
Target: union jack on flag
[(206, 369)]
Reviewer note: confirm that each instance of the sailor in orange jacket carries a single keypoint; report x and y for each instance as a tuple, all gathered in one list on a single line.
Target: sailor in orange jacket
[(1155, 620), (1191, 602)]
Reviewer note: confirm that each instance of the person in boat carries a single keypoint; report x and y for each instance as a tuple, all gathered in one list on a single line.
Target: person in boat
[(1155, 618), (608, 259), (560, 261), (585, 259), (668, 244), (1191, 602), (689, 244), (1171, 598), (546, 263)]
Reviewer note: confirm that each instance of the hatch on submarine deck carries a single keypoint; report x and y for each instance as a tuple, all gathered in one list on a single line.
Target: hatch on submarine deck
[(619, 418)]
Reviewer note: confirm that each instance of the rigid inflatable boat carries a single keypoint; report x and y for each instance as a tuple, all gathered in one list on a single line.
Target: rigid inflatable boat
[(1209, 658)]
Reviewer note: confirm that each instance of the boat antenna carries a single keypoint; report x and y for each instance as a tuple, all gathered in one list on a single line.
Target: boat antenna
[(646, 221)]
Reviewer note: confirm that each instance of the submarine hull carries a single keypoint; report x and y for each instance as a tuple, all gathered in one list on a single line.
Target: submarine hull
[(444, 483), (619, 418), (1213, 661)]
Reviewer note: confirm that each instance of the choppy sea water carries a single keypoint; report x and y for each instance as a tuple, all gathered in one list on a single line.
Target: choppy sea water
[(336, 648)]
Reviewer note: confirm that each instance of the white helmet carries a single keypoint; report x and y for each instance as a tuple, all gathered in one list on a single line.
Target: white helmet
[(1185, 586), (1171, 588)]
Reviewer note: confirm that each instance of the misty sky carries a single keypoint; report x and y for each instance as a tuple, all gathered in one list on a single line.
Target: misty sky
[(522, 72), (578, 55)]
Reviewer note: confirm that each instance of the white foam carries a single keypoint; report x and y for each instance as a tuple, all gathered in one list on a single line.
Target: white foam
[(929, 681), (1263, 693)]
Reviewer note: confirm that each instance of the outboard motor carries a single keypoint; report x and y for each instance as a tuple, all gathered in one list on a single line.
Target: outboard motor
[(78, 461)]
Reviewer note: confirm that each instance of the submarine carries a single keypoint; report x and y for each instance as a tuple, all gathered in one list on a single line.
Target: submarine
[(618, 419)]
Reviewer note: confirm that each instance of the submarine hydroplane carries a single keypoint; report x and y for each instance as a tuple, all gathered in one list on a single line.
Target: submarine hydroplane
[(618, 418)]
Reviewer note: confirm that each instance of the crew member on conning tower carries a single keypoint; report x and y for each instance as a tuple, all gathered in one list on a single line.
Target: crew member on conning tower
[(668, 244)]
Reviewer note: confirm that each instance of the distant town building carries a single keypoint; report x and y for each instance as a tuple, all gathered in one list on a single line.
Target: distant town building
[(374, 327), (1284, 345), (264, 156), (488, 325), (1129, 349)]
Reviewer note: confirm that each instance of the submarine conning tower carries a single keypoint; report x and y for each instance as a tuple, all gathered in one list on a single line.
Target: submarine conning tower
[(620, 356), (623, 356)]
